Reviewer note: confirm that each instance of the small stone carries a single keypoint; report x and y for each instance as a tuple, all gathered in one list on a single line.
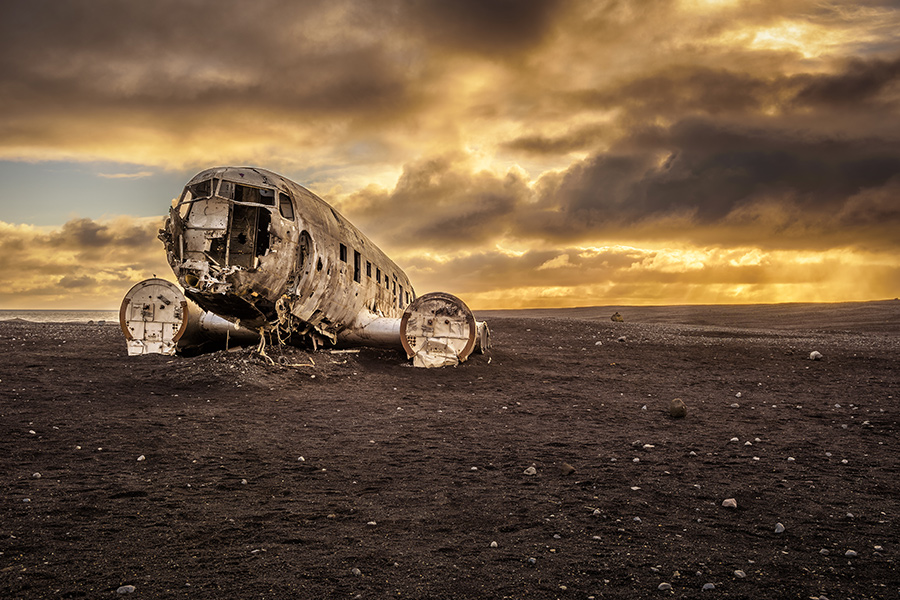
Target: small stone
[(494, 544), (36, 475), (473, 469), (734, 405), (532, 561), (748, 443), (734, 439), (126, 589), (637, 519), (692, 453), (530, 471), (372, 523), (850, 554), (709, 586), (738, 395), (243, 482), (596, 512), (141, 458), (636, 460), (779, 528), (849, 515), (824, 552), (815, 355), (729, 503), (879, 548), (740, 574), (301, 459), (598, 343), (677, 408), (664, 587), (790, 459), (566, 469), (621, 338), (844, 461), (355, 572)]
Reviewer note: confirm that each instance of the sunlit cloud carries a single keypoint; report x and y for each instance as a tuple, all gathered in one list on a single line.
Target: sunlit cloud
[(555, 152)]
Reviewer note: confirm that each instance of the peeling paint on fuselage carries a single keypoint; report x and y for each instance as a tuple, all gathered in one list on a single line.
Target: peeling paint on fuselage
[(259, 249)]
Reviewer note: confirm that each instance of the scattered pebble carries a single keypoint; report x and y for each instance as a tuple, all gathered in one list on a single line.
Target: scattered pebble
[(779, 528), (532, 561), (566, 469), (729, 503), (243, 482), (126, 589), (530, 471), (790, 459), (355, 572), (372, 523), (36, 475), (738, 395), (664, 587), (494, 544), (677, 409), (735, 405), (301, 459), (709, 586), (740, 574), (879, 549), (141, 458), (824, 552), (598, 343), (621, 338), (850, 554), (734, 439), (596, 512), (637, 519), (815, 355)]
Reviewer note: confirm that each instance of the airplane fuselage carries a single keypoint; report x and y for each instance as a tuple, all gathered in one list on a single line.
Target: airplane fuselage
[(261, 250)]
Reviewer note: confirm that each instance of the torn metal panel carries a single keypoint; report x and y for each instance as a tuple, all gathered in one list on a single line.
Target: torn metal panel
[(438, 329), (156, 318)]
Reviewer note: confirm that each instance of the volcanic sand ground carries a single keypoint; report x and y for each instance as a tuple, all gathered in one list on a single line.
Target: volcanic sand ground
[(183, 477)]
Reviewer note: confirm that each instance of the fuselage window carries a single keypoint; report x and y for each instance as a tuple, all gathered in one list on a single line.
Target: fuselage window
[(343, 253), (285, 206), (357, 266)]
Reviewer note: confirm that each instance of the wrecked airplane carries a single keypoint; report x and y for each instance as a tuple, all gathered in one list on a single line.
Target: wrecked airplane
[(269, 256)]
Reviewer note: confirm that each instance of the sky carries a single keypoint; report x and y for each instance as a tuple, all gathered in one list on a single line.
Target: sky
[(516, 153)]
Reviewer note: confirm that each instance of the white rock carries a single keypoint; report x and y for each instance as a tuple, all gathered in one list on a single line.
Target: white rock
[(850, 554), (709, 586), (494, 544), (355, 572), (779, 528), (141, 458), (36, 475), (664, 587), (738, 395), (740, 574), (126, 589), (815, 355), (530, 471), (372, 523), (637, 519), (243, 482), (790, 459), (729, 503), (734, 439), (596, 512), (598, 343)]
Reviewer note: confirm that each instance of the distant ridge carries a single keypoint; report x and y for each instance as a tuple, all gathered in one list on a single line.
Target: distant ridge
[(870, 317)]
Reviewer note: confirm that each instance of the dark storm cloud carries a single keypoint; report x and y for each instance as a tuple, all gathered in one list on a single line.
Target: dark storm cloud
[(439, 202), (580, 138), (707, 174), (864, 82), (483, 26), (184, 56)]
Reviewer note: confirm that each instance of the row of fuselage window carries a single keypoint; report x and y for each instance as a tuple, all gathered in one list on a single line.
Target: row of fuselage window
[(402, 299)]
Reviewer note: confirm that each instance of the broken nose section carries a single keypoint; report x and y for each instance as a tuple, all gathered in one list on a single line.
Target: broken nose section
[(439, 330)]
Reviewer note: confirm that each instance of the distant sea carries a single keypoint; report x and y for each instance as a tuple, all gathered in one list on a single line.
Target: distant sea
[(61, 316)]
